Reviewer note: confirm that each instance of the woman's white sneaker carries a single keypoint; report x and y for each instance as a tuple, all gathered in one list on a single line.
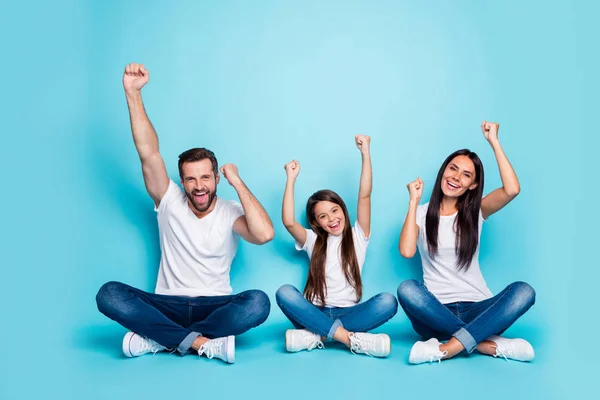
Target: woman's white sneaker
[(223, 348), (135, 345), (428, 351), (514, 349), (376, 345), (301, 339)]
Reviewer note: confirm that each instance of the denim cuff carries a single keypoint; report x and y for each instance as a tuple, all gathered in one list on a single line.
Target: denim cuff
[(336, 324), (186, 343), (466, 339)]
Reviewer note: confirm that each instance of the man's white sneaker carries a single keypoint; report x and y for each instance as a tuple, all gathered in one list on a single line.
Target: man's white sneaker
[(135, 345), (223, 348), (515, 349), (428, 351), (301, 339), (376, 345)]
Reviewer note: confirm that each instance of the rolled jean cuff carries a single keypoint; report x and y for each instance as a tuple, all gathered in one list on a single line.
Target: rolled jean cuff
[(336, 324), (466, 339), (186, 343)]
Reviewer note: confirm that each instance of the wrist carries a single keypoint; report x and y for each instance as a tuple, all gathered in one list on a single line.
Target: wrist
[(236, 182), (133, 94), (494, 142)]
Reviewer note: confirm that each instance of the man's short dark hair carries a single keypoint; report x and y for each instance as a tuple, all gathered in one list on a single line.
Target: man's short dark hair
[(198, 154)]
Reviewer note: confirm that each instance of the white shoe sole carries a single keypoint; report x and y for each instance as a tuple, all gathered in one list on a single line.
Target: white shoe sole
[(289, 340), (387, 347), (230, 349), (127, 343)]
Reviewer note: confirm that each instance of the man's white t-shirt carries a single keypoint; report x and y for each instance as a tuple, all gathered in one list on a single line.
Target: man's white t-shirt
[(339, 293), (441, 274), (196, 253)]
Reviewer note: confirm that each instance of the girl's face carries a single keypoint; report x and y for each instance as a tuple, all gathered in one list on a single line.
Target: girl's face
[(330, 217), (459, 176)]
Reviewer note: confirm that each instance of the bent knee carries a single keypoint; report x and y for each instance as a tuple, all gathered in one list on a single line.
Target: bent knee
[(387, 301), (110, 297), (408, 289), (259, 305), (108, 294), (286, 292), (524, 292)]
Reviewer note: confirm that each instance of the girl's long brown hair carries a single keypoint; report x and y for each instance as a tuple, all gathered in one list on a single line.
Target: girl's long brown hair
[(316, 287)]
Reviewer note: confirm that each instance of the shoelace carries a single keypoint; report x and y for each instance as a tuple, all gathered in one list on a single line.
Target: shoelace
[(151, 345), (315, 344), (438, 357), (358, 344), (506, 353), (211, 348)]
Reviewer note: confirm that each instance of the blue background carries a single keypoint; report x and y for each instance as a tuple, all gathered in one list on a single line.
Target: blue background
[(261, 83)]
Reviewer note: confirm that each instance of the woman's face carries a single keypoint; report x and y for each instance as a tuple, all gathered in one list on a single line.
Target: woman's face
[(459, 176)]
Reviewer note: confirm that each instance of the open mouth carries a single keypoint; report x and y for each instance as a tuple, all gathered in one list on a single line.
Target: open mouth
[(335, 226), (201, 197), (452, 185)]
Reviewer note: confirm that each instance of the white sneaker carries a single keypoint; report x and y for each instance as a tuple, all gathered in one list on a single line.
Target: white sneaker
[(428, 351), (376, 345), (301, 339), (515, 349), (135, 345), (223, 348)]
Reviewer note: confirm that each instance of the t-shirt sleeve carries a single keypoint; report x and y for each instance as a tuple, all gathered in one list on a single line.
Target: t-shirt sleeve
[(421, 216), (361, 241), (234, 211), (311, 238), (173, 193)]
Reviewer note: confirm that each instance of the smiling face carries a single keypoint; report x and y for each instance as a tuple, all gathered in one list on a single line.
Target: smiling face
[(200, 185), (459, 176), (330, 217)]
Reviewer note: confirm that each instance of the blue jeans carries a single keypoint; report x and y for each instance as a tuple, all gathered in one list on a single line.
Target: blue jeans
[(176, 321), (469, 322), (325, 320)]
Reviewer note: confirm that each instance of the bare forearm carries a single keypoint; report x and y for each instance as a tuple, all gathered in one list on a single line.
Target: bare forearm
[(410, 232), (366, 177), (144, 135), (259, 223), (510, 182), (287, 212)]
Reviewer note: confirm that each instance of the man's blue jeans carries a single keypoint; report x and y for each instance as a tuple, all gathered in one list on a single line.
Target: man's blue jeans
[(176, 321)]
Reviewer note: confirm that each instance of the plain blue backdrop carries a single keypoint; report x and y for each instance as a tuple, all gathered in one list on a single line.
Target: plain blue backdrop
[(262, 83)]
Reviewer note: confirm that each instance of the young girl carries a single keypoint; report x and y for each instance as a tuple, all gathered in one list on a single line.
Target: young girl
[(329, 308), (455, 303)]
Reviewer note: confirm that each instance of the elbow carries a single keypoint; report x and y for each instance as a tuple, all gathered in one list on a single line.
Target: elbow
[(266, 236), (288, 223), (513, 192), (407, 252)]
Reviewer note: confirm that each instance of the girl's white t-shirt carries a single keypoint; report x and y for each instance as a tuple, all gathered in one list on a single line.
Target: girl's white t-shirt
[(441, 274), (339, 293)]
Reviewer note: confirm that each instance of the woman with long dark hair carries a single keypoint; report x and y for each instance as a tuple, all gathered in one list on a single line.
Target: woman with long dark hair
[(454, 302), (329, 308)]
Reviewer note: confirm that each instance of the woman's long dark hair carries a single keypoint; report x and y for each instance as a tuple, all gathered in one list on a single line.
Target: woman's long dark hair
[(467, 219), (316, 287)]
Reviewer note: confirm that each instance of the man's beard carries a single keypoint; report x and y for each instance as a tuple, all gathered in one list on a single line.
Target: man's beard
[(202, 207)]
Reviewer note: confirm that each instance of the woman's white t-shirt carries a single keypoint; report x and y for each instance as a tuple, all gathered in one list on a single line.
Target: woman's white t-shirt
[(441, 274), (339, 293)]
